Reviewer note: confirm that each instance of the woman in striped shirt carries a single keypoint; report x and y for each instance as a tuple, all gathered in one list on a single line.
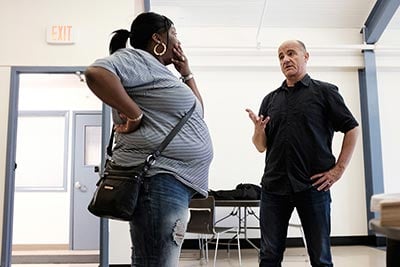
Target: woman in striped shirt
[(148, 101)]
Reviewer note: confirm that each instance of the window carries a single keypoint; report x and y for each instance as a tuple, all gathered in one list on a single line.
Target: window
[(42, 144)]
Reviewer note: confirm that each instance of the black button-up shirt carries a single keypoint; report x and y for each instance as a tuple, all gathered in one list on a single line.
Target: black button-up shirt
[(299, 133)]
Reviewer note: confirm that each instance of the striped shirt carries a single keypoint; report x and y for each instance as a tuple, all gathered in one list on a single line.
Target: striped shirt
[(164, 100)]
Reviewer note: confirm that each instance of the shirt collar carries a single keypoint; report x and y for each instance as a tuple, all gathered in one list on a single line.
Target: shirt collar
[(305, 82)]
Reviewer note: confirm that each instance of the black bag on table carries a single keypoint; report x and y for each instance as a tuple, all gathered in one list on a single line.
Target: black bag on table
[(241, 192)]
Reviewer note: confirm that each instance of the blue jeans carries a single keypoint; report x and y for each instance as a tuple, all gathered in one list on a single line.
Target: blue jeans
[(157, 232), (314, 210)]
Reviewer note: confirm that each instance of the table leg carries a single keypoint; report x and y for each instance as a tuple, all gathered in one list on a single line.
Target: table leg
[(392, 253), (245, 229)]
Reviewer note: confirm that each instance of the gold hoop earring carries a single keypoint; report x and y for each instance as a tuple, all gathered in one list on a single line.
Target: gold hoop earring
[(162, 52)]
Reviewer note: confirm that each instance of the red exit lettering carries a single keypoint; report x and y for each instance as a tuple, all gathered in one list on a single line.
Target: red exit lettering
[(61, 33)]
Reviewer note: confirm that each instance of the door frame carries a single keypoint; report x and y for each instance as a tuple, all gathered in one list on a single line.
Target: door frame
[(9, 185)]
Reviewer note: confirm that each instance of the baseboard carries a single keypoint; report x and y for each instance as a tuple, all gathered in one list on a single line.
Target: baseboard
[(372, 241), (36, 247), (54, 259), (51, 254)]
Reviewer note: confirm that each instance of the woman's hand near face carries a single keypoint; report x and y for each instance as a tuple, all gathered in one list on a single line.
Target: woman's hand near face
[(181, 64), (180, 61)]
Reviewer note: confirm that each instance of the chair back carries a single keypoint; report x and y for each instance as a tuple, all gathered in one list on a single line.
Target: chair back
[(201, 216)]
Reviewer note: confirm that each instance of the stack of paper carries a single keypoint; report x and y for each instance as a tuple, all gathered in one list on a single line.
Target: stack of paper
[(390, 212), (388, 205)]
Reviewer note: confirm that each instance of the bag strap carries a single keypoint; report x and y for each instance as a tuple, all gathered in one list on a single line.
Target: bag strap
[(110, 143), (173, 132), (152, 157)]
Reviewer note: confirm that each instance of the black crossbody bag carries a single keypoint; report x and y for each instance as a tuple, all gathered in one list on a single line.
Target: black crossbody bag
[(118, 189)]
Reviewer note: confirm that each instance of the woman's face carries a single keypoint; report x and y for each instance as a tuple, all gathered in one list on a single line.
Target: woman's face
[(171, 43)]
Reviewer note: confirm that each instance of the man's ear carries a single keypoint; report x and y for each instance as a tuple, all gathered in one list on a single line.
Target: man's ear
[(306, 56)]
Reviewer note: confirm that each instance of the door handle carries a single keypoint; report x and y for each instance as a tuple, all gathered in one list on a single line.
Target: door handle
[(81, 187)]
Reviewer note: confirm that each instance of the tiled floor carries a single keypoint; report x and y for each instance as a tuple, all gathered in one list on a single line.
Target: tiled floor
[(344, 256)]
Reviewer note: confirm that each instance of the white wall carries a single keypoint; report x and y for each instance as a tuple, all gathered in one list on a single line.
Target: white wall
[(24, 23), (388, 58), (390, 130), (4, 95)]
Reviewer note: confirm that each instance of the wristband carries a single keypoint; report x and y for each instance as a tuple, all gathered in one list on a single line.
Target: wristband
[(186, 77)]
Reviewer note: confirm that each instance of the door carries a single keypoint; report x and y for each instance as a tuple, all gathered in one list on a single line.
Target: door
[(87, 156)]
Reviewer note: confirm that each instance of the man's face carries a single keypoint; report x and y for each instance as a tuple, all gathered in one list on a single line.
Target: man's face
[(293, 60)]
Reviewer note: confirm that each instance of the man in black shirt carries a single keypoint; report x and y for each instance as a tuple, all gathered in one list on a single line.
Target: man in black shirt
[(295, 127)]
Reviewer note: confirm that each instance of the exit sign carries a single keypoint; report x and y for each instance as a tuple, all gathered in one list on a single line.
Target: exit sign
[(60, 34)]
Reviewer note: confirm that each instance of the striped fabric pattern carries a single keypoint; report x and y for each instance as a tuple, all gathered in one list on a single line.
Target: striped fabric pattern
[(164, 100)]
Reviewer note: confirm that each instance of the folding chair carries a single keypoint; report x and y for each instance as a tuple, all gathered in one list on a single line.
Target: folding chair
[(202, 222)]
